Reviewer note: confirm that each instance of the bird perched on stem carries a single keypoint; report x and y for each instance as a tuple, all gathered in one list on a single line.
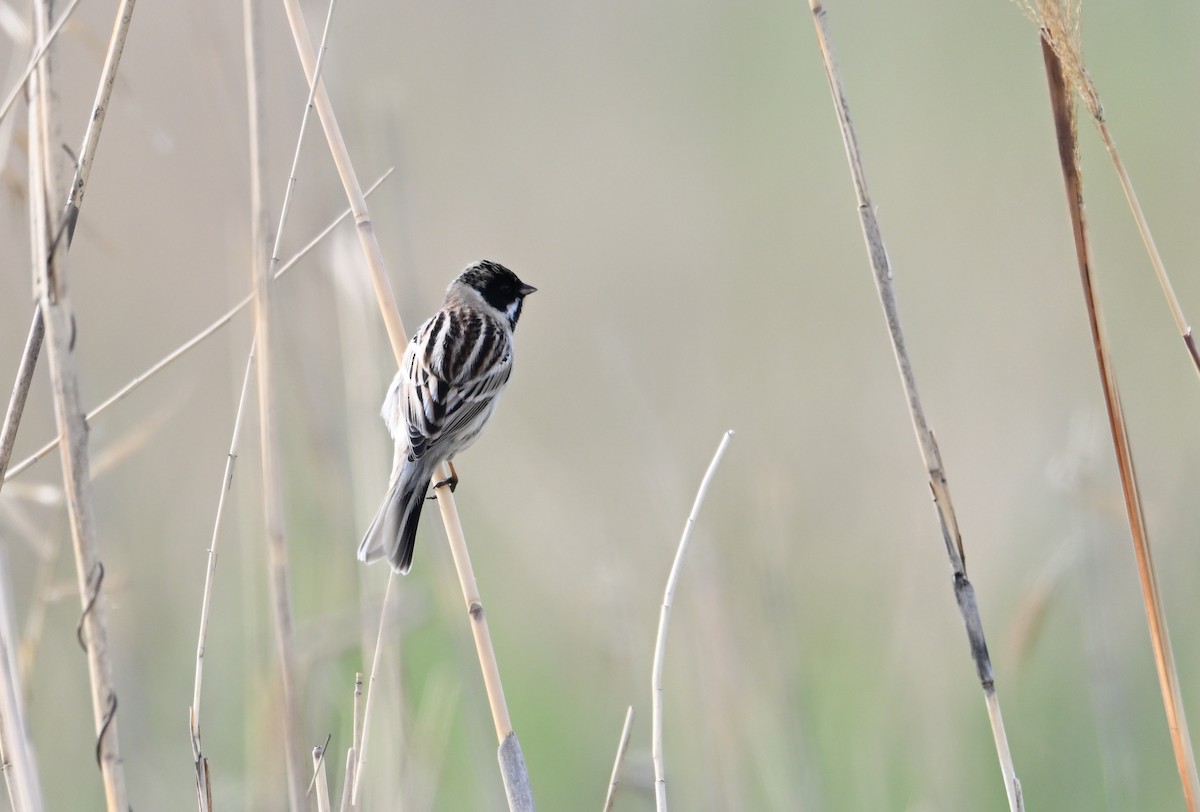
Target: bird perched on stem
[(451, 378)]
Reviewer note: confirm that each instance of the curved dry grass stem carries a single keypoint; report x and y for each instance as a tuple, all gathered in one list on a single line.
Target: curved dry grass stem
[(964, 592), (1164, 659), (192, 342), (664, 619)]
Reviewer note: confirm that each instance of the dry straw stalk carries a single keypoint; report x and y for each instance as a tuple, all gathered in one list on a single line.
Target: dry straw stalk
[(1164, 660), (964, 592)]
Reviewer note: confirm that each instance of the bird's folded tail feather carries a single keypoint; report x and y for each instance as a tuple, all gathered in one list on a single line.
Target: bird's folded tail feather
[(393, 531)]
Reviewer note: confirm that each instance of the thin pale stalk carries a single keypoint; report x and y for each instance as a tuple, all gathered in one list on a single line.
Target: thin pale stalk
[(20, 766), (361, 739), (91, 136), (16, 404), (1160, 268), (622, 746), (195, 340), (664, 620), (276, 539), (202, 776), (347, 781), (54, 299), (964, 592), (1164, 658)]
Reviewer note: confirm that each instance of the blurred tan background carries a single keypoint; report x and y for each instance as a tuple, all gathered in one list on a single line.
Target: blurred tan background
[(670, 176)]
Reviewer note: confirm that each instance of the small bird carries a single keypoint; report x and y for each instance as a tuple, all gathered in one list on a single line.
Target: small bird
[(451, 378)]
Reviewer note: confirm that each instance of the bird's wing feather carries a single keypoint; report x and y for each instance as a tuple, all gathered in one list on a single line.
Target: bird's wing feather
[(453, 369)]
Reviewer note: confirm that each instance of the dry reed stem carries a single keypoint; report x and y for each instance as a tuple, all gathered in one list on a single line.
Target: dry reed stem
[(16, 403), (664, 619), (1164, 659), (964, 592), (203, 779), (622, 745), (20, 764), (50, 271), (509, 750), (1058, 21), (347, 781), (276, 539), (360, 743), (91, 136), (192, 342)]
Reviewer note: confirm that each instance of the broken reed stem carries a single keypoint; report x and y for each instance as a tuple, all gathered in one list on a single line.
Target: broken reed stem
[(512, 764), (964, 592), (1062, 107), (622, 745), (53, 295), (318, 757), (192, 342), (664, 619), (360, 741), (277, 556)]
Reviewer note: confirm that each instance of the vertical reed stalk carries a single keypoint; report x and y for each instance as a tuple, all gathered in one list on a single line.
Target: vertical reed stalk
[(964, 592), (50, 271), (1164, 659), (277, 556)]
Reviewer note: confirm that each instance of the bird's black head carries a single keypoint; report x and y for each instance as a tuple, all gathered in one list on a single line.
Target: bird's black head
[(498, 286)]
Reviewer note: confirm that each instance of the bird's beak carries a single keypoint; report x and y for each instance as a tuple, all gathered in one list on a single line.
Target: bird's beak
[(527, 289)]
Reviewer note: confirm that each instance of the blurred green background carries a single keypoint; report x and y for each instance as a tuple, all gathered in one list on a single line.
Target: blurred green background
[(670, 176)]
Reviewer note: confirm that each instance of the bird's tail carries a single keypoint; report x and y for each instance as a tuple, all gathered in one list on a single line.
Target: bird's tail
[(393, 531)]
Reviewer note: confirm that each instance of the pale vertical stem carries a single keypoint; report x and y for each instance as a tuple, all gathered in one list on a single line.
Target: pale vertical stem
[(277, 557), (203, 779), (348, 782), (664, 619), (21, 773), (360, 741), (622, 745), (964, 592), (50, 273)]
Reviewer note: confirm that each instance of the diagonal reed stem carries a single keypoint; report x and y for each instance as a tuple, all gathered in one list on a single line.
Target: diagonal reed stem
[(1164, 660), (964, 592)]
